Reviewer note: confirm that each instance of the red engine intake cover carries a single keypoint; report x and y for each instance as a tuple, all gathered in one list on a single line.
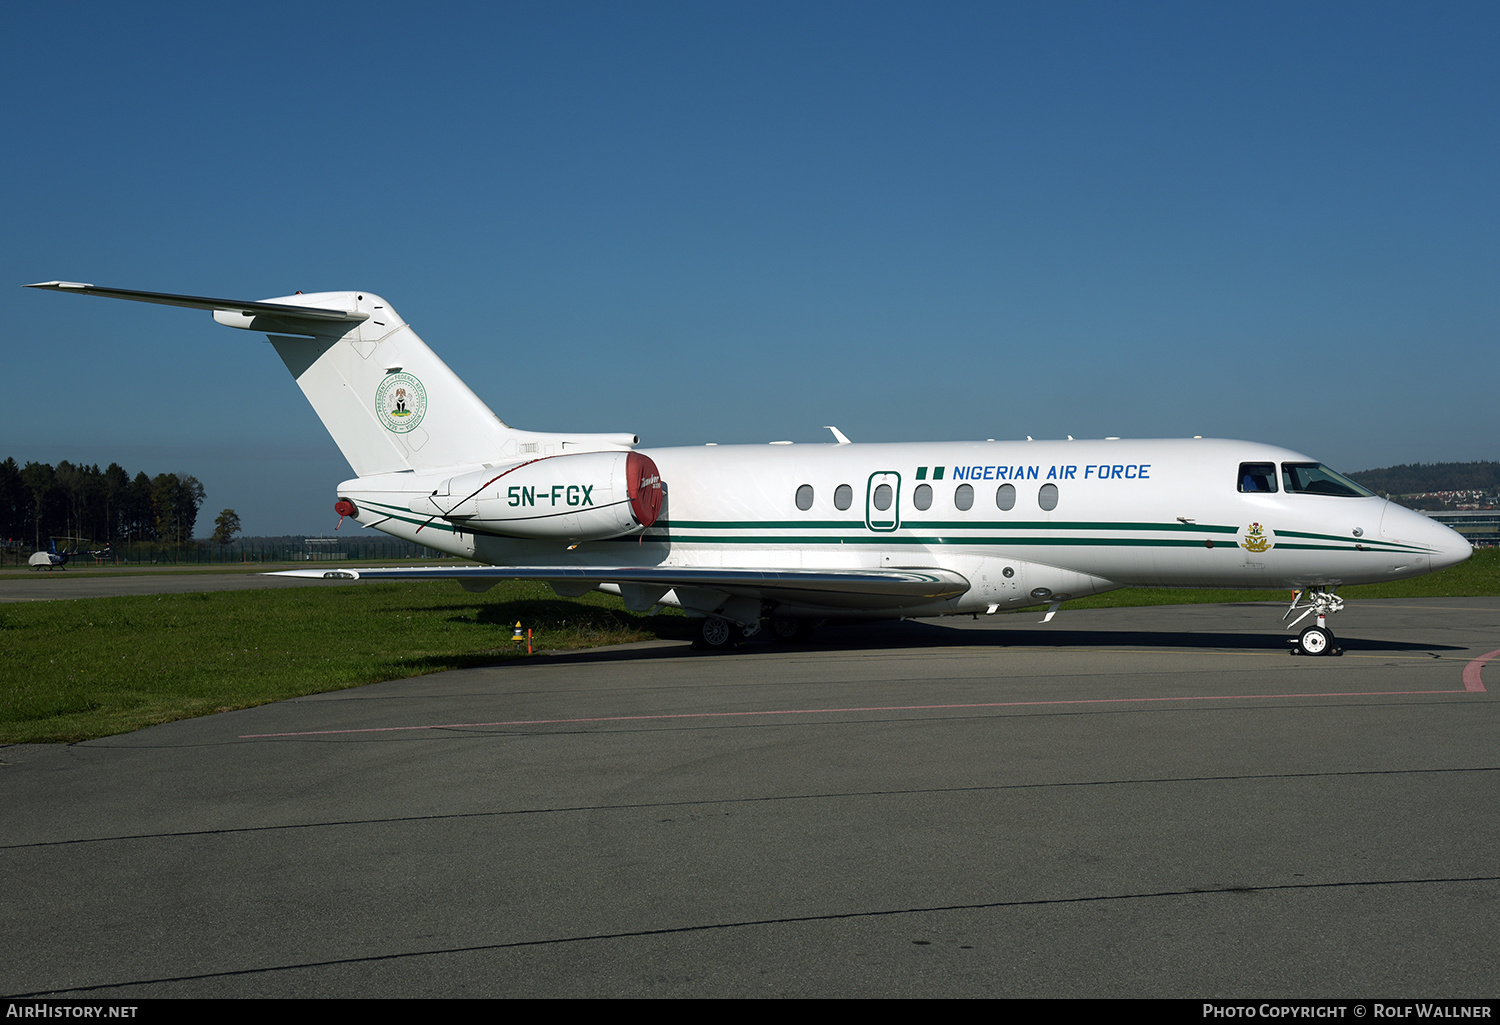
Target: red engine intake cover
[(644, 488), (344, 507)]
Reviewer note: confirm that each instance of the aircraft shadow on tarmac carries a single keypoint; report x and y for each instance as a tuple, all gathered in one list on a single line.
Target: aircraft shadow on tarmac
[(908, 634)]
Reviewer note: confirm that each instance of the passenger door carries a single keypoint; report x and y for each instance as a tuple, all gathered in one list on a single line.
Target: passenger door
[(883, 501)]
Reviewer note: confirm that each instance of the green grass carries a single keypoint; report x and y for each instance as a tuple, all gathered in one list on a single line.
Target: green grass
[(73, 670)]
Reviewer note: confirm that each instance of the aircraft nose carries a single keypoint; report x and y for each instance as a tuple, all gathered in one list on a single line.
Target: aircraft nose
[(1452, 548), (1448, 547)]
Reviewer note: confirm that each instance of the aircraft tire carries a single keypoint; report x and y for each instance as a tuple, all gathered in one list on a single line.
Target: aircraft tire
[(791, 629), (715, 634), (1316, 640)]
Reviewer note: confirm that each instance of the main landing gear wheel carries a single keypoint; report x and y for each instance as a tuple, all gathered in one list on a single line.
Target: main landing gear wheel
[(715, 634), (791, 629), (1316, 640)]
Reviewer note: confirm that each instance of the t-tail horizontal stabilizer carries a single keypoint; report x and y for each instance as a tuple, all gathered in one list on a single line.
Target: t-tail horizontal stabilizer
[(390, 403), (199, 302)]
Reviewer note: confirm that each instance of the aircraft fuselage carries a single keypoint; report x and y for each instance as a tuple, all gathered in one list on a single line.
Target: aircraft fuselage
[(1024, 522)]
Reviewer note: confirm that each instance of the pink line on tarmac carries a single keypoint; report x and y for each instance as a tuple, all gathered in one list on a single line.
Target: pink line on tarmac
[(882, 708), (1472, 682)]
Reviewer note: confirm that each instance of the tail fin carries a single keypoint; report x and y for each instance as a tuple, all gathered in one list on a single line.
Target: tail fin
[(390, 403)]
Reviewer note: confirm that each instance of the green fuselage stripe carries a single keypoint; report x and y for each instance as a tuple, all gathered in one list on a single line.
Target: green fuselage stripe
[(663, 533), (941, 525)]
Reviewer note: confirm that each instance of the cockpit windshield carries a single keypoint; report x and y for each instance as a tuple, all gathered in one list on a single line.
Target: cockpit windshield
[(1317, 479)]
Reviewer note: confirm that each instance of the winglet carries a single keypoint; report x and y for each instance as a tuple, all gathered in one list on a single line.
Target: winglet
[(838, 434)]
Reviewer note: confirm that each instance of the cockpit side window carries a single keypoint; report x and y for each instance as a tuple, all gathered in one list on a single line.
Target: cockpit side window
[(1317, 479), (1257, 477)]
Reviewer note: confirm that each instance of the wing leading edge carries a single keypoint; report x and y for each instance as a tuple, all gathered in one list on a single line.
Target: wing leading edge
[(867, 588)]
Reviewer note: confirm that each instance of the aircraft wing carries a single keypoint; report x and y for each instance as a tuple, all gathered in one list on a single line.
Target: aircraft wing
[(867, 588)]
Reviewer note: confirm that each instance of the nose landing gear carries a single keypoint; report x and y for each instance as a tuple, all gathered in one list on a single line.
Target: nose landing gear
[(1314, 640)]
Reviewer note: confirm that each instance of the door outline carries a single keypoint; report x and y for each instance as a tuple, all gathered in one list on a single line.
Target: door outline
[(889, 520)]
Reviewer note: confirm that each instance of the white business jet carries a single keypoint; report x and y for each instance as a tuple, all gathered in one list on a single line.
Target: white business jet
[(797, 534)]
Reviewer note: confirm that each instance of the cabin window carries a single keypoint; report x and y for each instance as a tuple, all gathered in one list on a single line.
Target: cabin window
[(1317, 479), (964, 497), (1257, 477), (922, 497), (843, 497), (805, 497), (1047, 497), (1005, 497), (883, 497)]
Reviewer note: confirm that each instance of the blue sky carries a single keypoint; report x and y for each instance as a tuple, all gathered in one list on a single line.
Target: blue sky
[(739, 222)]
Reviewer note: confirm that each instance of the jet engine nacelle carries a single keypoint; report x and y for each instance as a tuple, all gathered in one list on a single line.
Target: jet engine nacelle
[(585, 497)]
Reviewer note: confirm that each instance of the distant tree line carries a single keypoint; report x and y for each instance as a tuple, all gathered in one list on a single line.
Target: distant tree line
[(39, 501), (1416, 478)]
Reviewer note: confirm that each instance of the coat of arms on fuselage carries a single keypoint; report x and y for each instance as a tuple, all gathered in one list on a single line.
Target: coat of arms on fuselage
[(1256, 539), (400, 402)]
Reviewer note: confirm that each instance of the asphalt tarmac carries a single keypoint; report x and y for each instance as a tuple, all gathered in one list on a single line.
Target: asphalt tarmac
[(1131, 802), (22, 585)]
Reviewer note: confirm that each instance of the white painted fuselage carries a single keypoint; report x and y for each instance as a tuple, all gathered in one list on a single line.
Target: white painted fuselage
[(1163, 513)]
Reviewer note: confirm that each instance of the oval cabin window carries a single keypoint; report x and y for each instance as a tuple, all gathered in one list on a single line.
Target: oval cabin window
[(922, 497), (883, 497), (805, 497), (1005, 497), (964, 497), (843, 497), (1047, 497)]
